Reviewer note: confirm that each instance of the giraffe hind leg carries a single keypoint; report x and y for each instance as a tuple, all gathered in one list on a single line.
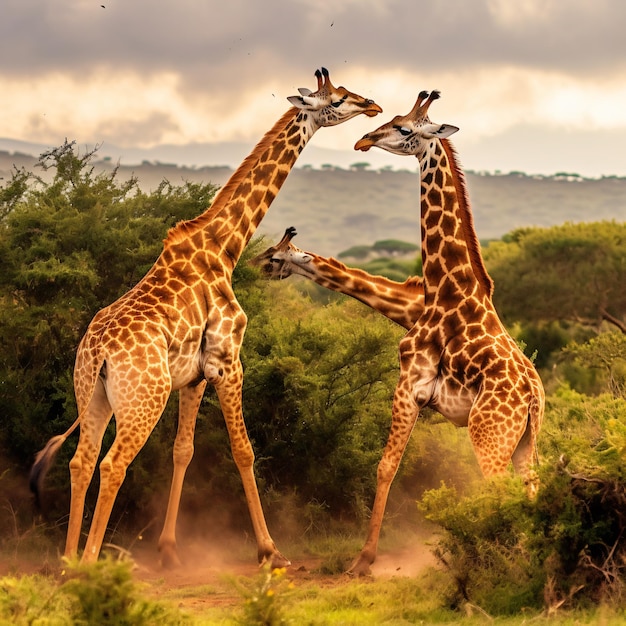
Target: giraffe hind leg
[(134, 423), (92, 426), (525, 454), (229, 393)]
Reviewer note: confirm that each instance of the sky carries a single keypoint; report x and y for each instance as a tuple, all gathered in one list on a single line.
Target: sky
[(535, 85)]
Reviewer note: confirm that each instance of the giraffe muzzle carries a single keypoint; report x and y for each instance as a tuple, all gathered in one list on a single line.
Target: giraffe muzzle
[(363, 144)]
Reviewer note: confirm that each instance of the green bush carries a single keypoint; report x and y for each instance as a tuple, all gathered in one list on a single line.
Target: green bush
[(264, 597), (566, 547), (100, 593)]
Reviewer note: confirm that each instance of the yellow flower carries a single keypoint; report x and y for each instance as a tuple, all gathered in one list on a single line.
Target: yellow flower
[(270, 593)]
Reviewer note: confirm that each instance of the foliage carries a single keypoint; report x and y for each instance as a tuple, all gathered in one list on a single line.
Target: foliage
[(101, 593), (567, 547), (30, 600), (606, 352), (570, 272), (105, 593), (68, 248), (264, 597), (317, 397), (395, 246), (395, 269)]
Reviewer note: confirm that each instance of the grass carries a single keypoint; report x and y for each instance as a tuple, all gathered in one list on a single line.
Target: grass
[(395, 601), (300, 598)]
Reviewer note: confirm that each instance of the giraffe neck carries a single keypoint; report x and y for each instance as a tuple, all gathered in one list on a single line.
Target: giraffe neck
[(450, 246), (402, 303), (241, 204)]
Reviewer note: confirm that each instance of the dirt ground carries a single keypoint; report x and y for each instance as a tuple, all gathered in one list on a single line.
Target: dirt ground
[(203, 580)]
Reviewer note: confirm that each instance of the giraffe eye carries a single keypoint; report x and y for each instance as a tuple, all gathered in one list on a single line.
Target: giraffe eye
[(339, 102), (403, 130)]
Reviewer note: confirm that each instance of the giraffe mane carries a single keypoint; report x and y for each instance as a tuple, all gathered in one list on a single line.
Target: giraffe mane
[(186, 228), (467, 221)]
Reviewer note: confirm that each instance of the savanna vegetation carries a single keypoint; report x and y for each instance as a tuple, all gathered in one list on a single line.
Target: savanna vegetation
[(320, 373)]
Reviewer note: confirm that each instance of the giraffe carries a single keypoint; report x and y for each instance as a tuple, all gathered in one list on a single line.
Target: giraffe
[(458, 358), (181, 328), (402, 303)]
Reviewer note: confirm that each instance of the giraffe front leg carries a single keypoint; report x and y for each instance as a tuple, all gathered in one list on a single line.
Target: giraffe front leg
[(188, 405), (404, 415), (229, 394)]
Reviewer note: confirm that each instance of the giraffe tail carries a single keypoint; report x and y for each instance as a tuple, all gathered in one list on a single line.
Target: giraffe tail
[(536, 410), (43, 461)]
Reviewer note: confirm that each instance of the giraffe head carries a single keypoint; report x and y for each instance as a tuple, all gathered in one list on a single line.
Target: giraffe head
[(331, 105), (409, 134), (280, 261)]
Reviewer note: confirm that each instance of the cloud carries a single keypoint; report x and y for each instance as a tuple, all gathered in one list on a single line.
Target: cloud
[(194, 70)]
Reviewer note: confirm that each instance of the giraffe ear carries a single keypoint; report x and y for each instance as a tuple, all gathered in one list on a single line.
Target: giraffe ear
[(301, 258), (441, 131), (301, 102)]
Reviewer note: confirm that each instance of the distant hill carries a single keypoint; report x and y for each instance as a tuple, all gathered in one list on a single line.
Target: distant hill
[(334, 209)]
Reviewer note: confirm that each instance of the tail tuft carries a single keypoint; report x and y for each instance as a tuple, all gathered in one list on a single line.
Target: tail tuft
[(42, 463)]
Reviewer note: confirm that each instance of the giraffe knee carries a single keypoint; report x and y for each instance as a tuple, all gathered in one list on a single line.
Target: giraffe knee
[(243, 455), (387, 469), (183, 454), (76, 464), (111, 476)]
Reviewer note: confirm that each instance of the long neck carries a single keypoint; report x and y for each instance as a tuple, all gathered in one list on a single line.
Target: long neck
[(241, 204), (450, 247), (402, 303)]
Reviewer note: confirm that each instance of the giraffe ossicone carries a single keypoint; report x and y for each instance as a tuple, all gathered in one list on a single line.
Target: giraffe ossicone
[(180, 328)]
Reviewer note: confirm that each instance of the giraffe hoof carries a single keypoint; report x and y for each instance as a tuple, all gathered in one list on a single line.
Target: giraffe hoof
[(359, 568), (169, 558), (278, 560)]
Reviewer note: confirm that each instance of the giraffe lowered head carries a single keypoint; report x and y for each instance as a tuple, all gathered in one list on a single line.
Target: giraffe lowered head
[(409, 134), (330, 105), (283, 259)]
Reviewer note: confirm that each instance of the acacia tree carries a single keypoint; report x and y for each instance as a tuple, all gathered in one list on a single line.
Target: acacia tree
[(573, 272)]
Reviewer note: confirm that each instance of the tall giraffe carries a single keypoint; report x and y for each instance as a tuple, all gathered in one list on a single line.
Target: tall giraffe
[(180, 328), (458, 358), (402, 303)]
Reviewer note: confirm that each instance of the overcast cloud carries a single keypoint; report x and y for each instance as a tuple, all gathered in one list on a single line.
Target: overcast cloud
[(535, 85)]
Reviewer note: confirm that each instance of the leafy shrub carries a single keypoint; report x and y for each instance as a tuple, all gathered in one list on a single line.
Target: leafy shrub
[(566, 547), (264, 597), (33, 600), (99, 593)]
